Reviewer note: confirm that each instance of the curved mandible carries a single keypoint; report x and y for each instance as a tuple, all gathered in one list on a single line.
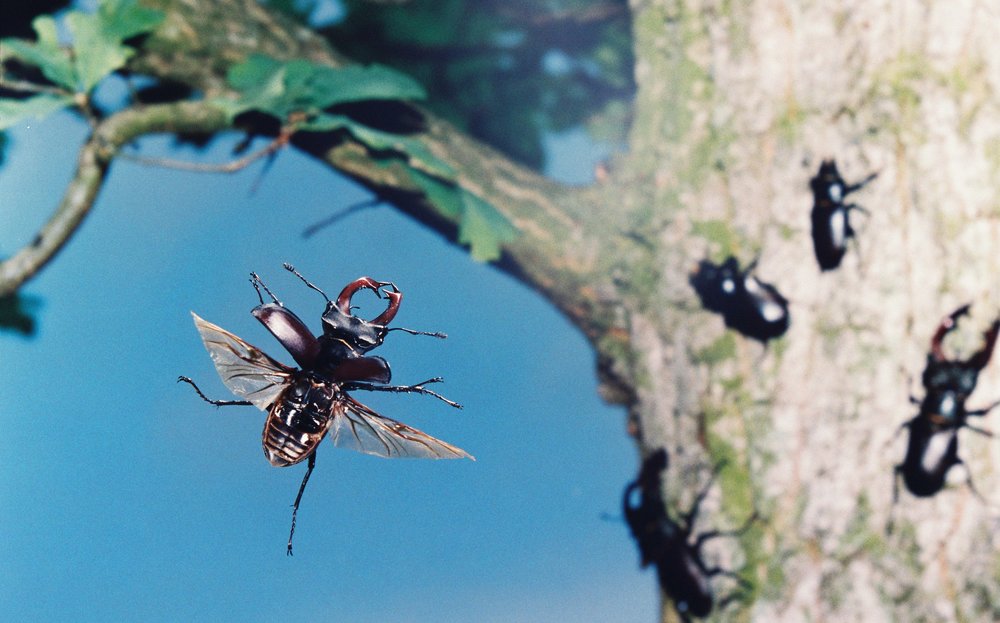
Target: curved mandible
[(395, 298), (982, 356), (948, 324)]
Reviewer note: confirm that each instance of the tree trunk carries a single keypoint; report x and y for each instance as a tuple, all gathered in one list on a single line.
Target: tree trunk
[(737, 103)]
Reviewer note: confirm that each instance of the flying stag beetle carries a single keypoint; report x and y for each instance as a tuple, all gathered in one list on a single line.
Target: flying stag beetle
[(666, 542), (747, 304), (831, 223), (308, 403), (932, 448)]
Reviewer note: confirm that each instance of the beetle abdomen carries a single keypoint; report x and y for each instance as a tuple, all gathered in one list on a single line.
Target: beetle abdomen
[(284, 445), (298, 421)]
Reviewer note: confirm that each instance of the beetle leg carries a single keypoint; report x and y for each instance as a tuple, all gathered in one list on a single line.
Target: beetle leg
[(711, 534), (714, 571), (308, 283), (970, 484), (981, 431), (418, 388), (858, 186), (693, 513), (298, 499), (902, 427), (733, 596), (981, 412), (218, 403), (257, 284), (854, 206)]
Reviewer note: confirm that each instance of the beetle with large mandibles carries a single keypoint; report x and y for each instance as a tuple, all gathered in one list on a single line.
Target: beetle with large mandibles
[(306, 404), (831, 222), (932, 448), (666, 542), (747, 304)]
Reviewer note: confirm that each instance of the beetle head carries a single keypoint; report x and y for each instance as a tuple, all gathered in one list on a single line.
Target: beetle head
[(828, 184), (359, 334), (716, 283), (956, 375)]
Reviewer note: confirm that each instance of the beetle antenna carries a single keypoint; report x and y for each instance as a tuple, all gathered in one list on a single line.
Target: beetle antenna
[(255, 280), (436, 334), (311, 285)]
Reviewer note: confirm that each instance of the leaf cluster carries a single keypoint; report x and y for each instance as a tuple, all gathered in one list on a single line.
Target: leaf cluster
[(95, 49), (304, 94)]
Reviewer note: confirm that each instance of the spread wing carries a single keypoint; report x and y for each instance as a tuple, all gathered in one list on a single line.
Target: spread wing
[(244, 368), (359, 428)]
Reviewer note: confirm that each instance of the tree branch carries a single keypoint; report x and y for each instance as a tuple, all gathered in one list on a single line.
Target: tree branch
[(561, 228), (91, 171)]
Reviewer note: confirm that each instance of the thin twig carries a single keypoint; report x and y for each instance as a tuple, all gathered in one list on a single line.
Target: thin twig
[(32, 87), (200, 167), (95, 157), (340, 214)]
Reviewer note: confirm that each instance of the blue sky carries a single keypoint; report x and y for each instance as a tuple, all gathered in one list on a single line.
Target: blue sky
[(124, 497)]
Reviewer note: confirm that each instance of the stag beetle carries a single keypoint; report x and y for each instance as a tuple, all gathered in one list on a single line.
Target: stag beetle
[(747, 304), (306, 404), (831, 223), (932, 448), (666, 542)]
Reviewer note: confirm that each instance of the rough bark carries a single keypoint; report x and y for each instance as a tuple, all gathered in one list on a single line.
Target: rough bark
[(737, 103)]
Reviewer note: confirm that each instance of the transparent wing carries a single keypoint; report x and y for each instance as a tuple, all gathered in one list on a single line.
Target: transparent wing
[(359, 428), (244, 368)]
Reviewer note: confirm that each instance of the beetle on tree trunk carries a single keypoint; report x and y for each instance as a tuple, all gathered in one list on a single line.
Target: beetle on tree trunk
[(831, 217), (666, 542), (932, 448)]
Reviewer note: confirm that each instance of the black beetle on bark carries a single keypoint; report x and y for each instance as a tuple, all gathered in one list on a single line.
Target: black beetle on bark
[(667, 543), (306, 404), (754, 308), (831, 217), (932, 448)]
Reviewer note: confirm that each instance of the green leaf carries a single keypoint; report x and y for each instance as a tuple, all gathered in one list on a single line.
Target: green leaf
[(252, 72), (420, 157), (97, 52), (48, 33), (14, 111), (97, 48), (447, 198), (300, 85), (46, 53), (375, 82), (123, 19), (483, 228)]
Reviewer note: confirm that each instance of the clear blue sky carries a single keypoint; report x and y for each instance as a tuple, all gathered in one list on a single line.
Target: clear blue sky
[(124, 497)]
